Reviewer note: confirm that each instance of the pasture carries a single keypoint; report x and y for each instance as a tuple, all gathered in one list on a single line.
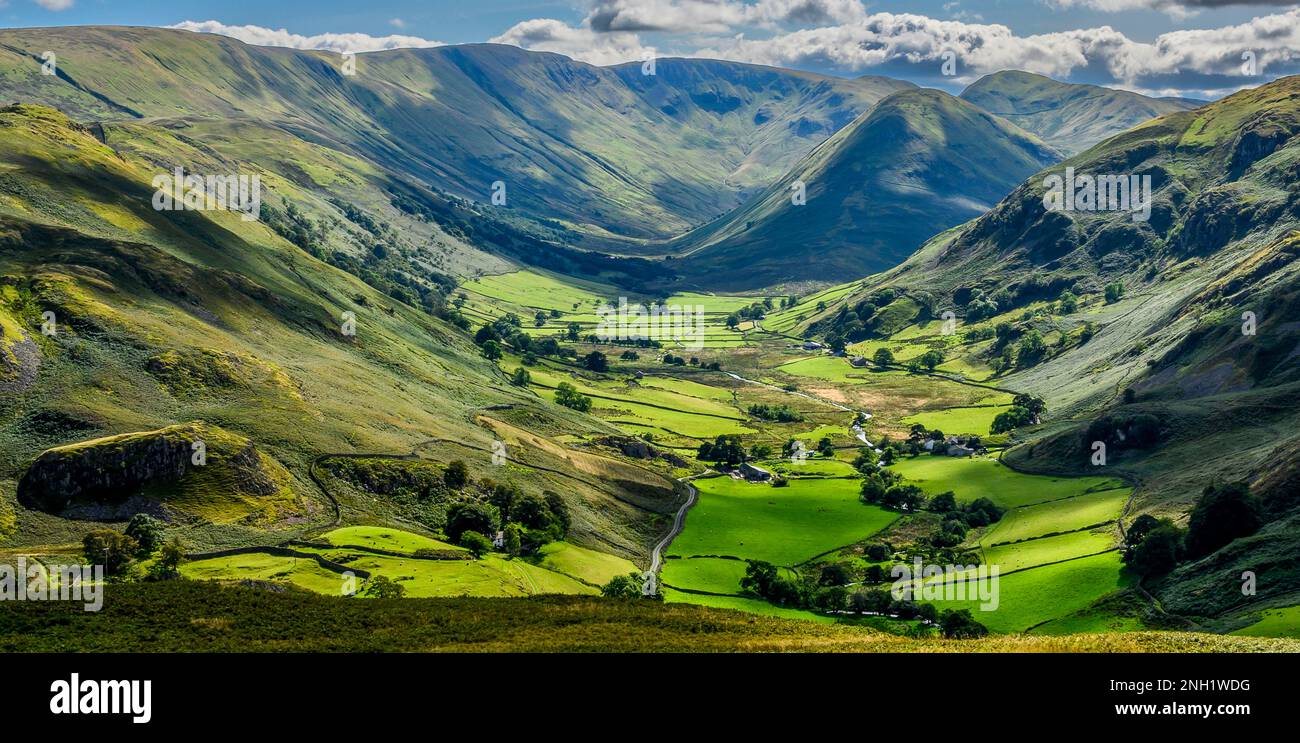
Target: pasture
[(983, 477), (784, 526)]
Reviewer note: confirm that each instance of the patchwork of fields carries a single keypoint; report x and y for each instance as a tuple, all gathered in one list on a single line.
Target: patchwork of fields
[(1055, 546)]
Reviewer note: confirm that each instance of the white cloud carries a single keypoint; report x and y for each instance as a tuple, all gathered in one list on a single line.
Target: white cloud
[(717, 16), (550, 35), (348, 42), (55, 5), (1176, 7), (397, 23), (981, 48)]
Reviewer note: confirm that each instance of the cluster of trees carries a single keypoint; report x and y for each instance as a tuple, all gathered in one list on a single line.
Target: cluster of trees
[(527, 521), (629, 586), (725, 449), (1130, 430), (758, 310), (851, 324), (959, 519), (779, 413), (1224, 512), (828, 593), (669, 358), (569, 396), (143, 538), (927, 361), (1025, 410)]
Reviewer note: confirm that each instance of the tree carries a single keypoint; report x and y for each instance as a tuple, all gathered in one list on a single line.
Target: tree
[(521, 377), (1013, 418), (383, 587), (733, 321), (873, 488), (470, 516), (931, 359), (630, 356), (457, 474), (834, 574), (169, 561), (629, 586), (943, 502), (109, 548), (1114, 292), (146, 530), (958, 624), (882, 358), (475, 542), (870, 601), (1223, 513), (513, 544), (1158, 552), (595, 361), (1068, 304), (1034, 405), (491, 350), (569, 396), (573, 330), (826, 447), (1032, 348), (726, 448), (539, 319), (485, 334), (879, 552)]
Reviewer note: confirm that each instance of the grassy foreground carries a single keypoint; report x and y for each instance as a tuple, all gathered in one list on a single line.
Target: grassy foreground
[(187, 616)]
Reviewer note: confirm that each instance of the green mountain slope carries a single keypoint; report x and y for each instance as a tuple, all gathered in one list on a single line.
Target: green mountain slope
[(600, 149), (1184, 386), (163, 318), (1067, 116), (919, 162)]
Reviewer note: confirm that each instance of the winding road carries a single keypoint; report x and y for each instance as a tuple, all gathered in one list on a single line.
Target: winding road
[(651, 585)]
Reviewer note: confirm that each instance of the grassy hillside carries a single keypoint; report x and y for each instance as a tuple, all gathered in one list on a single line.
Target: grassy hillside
[(164, 318), (1067, 116), (188, 616), (598, 149), (918, 163)]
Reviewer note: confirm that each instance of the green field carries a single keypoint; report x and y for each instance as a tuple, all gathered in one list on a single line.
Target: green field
[(713, 574), (1274, 623), (301, 572), (784, 526), (1058, 516), (982, 477), (379, 537), (1034, 596), (750, 606), (1046, 550), (584, 564), (965, 420)]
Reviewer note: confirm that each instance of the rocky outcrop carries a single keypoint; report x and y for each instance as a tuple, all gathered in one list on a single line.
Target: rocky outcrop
[(636, 448), (117, 476)]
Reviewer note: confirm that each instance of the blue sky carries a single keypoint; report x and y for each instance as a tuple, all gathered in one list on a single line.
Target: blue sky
[(1168, 47)]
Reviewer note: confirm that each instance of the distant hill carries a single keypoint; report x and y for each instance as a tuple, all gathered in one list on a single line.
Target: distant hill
[(608, 152), (1068, 116), (918, 163)]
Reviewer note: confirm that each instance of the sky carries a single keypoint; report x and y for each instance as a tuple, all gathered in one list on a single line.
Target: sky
[(1192, 48)]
